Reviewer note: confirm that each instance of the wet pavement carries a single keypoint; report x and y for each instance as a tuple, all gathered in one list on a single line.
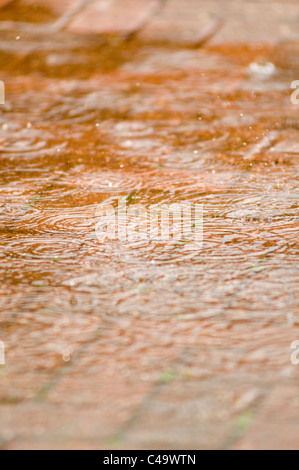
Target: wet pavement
[(143, 344)]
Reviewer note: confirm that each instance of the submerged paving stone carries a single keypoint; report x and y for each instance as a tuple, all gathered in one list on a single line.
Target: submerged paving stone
[(279, 411)]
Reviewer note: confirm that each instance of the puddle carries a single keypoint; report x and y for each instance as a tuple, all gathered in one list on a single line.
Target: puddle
[(88, 120)]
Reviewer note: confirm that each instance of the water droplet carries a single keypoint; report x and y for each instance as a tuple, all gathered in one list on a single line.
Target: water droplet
[(262, 69), (66, 356)]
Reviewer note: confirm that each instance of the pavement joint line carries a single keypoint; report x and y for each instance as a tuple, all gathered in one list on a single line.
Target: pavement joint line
[(88, 343), (232, 439), (153, 392), (41, 395)]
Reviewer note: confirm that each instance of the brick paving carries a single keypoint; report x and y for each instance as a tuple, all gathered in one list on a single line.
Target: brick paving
[(104, 349), (179, 20)]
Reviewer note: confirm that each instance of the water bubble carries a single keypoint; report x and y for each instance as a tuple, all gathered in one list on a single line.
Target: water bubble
[(263, 69), (66, 356)]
